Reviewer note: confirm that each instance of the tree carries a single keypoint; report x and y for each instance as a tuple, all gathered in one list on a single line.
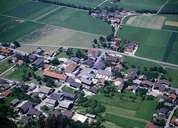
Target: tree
[(17, 44), (95, 41), (55, 62), (102, 39)]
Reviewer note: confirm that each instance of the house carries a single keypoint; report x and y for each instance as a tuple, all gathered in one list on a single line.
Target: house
[(173, 96), (69, 96), (55, 75), (86, 81), (68, 113), (71, 68), (45, 90), (51, 102), (67, 104), (79, 117), (39, 62), (15, 102), (92, 52), (6, 51), (7, 93), (56, 96), (20, 62), (32, 57), (75, 85), (104, 74), (89, 62), (24, 106), (33, 112), (99, 64), (163, 111), (2, 57)]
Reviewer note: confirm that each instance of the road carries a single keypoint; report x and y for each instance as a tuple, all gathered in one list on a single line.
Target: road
[(170, 117), (101, 3), (166, 64)]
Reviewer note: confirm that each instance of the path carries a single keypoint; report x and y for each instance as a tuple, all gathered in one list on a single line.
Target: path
[(170, 117), (101, 3), (46, 14), (7, 70), (174, 66), (162, 7)]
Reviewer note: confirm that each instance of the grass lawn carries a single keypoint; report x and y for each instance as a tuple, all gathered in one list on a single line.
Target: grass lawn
[(12, 29), (4, 65), (18, 73), (78, 20), (31, 10), (152, 43), (68, 89)]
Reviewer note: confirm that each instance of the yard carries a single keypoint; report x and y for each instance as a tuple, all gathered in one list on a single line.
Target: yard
[(19, 73), (68, 89)]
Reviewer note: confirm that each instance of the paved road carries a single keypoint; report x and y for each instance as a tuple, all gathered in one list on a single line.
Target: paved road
[(169, 65), (170, 117)]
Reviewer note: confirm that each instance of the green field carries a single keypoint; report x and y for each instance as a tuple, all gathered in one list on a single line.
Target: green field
[(171, 7), (122, 111), (152, 43), (30, 10), (136, 4), (68, 89), (78, 20), (7, 5), (12, 28)]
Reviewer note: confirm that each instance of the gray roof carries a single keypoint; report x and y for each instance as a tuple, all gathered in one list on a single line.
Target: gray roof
[(65, 103), (14, 101)]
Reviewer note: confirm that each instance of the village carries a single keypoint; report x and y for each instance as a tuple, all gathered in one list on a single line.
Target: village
[(61, 81)]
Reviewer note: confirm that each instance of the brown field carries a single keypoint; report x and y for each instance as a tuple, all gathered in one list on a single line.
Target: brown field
[(146, 21), (171, 23)]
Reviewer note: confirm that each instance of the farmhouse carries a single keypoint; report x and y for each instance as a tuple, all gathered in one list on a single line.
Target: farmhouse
[(54, 75)]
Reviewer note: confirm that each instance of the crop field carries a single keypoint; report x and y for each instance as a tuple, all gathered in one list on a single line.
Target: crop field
[(171, 22), (13, 28), (78, 20), (48, 35), (136, 4), (30, 10), (147, 21)]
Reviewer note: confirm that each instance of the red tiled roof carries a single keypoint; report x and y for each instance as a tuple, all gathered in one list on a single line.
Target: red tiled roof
[(173, 96), (20, 62), (5, 50), (7, 93), (71, 67), (55, 75)]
